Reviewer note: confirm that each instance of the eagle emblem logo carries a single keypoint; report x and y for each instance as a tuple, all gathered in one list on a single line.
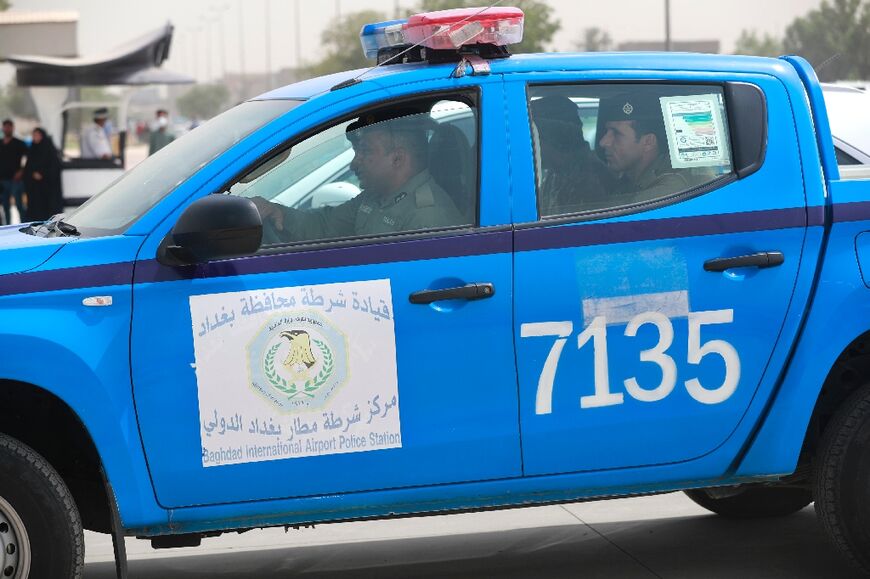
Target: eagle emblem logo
[(298, 361)]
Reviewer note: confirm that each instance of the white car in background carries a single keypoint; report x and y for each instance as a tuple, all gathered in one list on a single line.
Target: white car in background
[(849, 115)]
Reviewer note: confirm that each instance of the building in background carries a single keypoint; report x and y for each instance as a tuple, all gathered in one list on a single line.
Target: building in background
[(45, 33), (703, 46)]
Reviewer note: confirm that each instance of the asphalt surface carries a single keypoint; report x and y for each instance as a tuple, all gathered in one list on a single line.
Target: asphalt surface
[(664, 536)]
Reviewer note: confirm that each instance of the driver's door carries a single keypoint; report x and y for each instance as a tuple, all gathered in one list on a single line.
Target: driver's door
[(306, 369)]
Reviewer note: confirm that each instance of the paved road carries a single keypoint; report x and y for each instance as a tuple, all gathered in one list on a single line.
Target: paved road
[(665, 536)]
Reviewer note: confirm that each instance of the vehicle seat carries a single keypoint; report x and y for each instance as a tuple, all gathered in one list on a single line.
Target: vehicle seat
[(451, 161)]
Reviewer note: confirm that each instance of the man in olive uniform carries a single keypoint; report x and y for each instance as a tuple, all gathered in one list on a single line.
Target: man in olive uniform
[(398, 192), (636, 148)]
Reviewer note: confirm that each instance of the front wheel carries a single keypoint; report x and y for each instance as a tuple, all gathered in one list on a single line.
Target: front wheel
[(753, 502), (842, 475), (40, 528)]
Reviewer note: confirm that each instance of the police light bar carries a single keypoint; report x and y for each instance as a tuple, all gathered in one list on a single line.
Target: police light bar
[(452, 29), (380, 35)]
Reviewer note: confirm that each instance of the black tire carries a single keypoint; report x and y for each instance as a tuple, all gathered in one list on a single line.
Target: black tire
[(37, 516), (843, 479), (754, 502)]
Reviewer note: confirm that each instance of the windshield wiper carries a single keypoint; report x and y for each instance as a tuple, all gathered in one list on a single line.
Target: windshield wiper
[(52, 228), (64, 228)]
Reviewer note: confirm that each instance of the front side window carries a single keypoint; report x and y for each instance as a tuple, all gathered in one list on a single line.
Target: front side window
[(603, 147), (402, 168)]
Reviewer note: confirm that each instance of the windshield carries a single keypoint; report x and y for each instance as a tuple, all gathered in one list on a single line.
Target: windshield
[(118, 205)]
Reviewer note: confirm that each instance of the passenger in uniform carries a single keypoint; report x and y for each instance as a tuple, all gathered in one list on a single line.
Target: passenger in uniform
[(571, 177), (635, 148), (398, 192)]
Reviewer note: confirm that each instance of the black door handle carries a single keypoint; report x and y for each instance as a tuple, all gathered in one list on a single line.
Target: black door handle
[(761, 259), (472, 291)]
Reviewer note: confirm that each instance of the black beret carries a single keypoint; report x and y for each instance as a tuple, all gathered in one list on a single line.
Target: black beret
[(556, 108), (630, 107)]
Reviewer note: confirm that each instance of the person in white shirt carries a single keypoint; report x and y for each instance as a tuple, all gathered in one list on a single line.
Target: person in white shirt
[(95, 142)]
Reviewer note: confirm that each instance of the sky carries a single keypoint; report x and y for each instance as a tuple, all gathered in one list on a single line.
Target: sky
[(237, 30)]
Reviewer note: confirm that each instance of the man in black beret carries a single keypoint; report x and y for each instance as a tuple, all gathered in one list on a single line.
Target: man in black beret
[(636, 148), (398, 192)]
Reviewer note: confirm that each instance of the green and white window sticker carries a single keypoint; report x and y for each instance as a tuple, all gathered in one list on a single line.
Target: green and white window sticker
[(696, 131)]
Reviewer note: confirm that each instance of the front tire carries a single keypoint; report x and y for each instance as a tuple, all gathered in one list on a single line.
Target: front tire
[(40, 528), (753, 502), (843, 479)]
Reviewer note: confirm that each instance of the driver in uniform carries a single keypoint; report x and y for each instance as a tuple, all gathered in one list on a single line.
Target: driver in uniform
[(398, 192)]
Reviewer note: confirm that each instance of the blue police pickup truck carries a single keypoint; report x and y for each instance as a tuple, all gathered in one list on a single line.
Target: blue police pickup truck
[(458, 280)]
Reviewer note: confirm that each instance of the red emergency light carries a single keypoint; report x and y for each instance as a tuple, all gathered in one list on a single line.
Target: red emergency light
[(452, 29)]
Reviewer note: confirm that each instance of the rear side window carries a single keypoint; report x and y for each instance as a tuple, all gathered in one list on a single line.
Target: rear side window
[(604, 147)]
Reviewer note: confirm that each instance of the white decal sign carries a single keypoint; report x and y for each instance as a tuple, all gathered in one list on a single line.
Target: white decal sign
[(297, 371), (696, 132)]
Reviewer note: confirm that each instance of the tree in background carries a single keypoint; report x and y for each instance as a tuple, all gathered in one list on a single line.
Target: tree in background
[(835, 38), (594, 39), (203, 101), (4, 5), (343, 50), (751, 43), (538, 30)]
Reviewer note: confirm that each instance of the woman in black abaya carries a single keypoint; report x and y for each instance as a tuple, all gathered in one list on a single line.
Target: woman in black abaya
[(42, 178)]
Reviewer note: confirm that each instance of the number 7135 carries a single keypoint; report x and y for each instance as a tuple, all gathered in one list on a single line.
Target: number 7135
[(597, 332)]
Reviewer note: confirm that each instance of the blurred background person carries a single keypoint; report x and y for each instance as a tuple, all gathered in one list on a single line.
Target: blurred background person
[(12, 151), (160, 135), (42, 178), (95, 142)]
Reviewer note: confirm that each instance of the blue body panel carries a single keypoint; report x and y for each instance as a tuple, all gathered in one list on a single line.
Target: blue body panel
[(471, 435), (86, 364), (24, 252), (841, 304)]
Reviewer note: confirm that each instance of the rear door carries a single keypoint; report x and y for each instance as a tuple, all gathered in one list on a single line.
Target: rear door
[(641, 340)]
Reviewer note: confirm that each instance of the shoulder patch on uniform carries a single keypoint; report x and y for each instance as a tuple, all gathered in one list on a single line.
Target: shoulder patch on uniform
[(424, 196)]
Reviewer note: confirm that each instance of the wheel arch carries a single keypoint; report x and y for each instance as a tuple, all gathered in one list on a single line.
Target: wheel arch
[(50, 427), (90, 397)]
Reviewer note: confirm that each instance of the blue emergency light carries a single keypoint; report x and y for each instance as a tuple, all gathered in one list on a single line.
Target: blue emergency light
[(444, 35), (381, 35)]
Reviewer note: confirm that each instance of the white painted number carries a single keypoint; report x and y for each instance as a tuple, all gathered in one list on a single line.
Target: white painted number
[(656, 355), (721, 347), (544, 397), (597, 332), (603, 396)]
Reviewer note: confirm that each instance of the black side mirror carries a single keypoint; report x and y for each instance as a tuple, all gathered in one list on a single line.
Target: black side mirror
[(214, 227)]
